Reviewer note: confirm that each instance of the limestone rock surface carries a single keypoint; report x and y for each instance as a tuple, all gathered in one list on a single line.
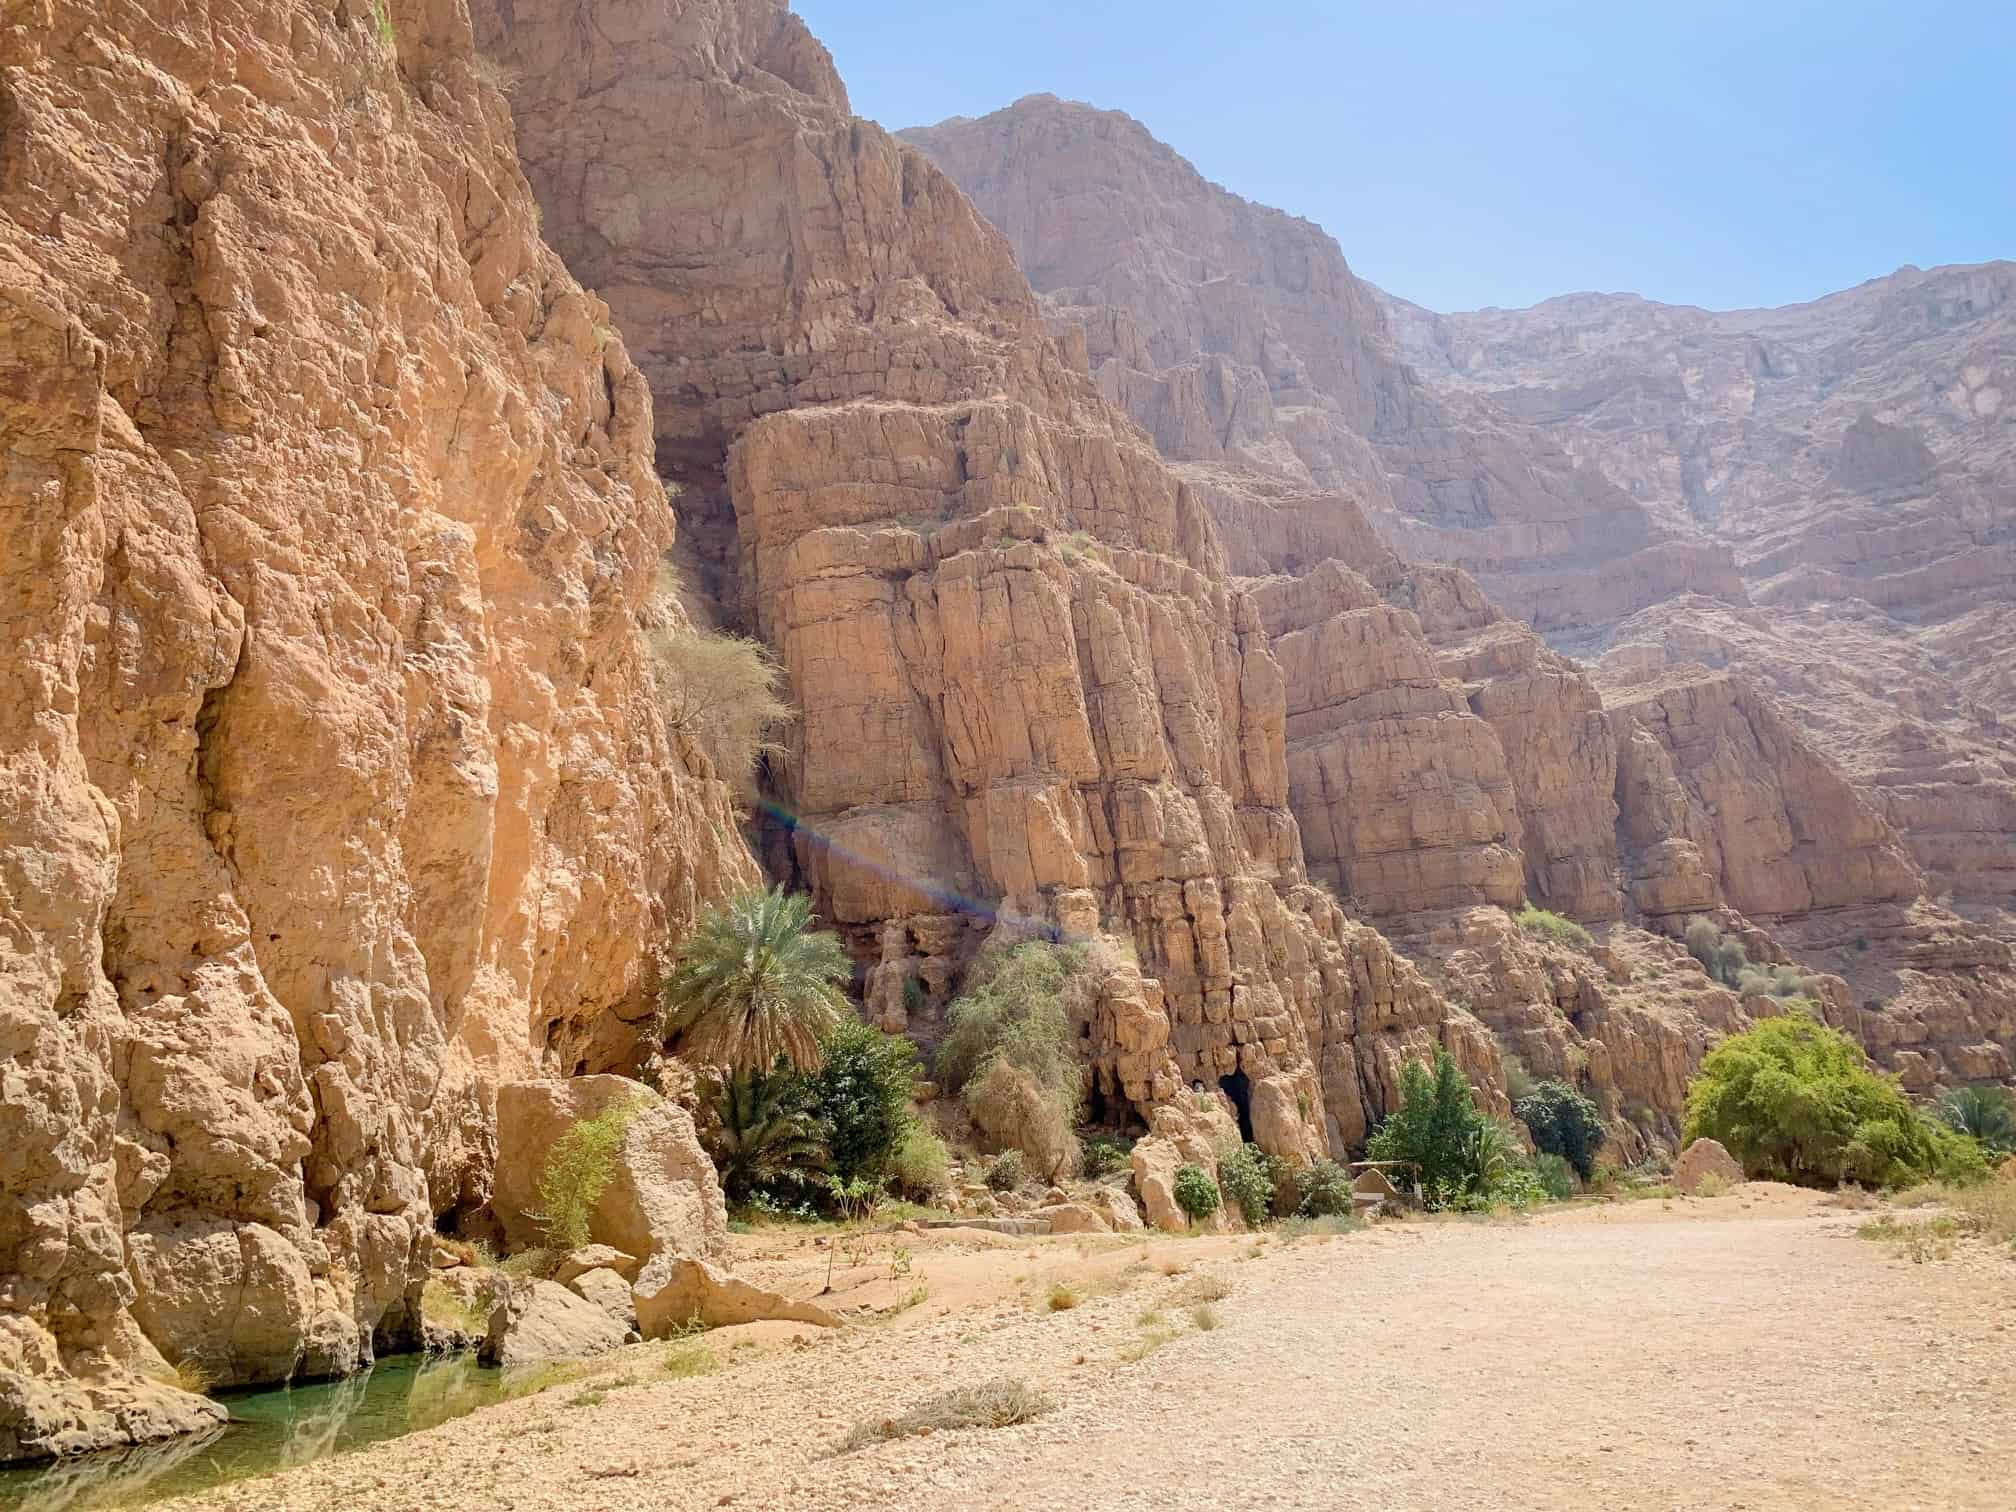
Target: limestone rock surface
[(332, 790)]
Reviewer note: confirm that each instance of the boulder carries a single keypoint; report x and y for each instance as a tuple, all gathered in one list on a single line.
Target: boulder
[(1705, 1157), (662, 1197), (1155, 1162), (532, 1321), (1074, 1218), (608, 1291), (596, 1257), (677, 1290), (1118, 1209), (1374, 1183)]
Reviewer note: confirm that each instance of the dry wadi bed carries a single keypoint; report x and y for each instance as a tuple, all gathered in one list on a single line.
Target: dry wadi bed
[(1747, 1351)]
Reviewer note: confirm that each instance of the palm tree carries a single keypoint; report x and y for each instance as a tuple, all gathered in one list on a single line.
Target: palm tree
[(754, 982), (1987, 1113), (763, 1129)]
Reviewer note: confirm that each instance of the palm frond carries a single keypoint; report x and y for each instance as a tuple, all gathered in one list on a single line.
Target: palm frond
[(754, 982)]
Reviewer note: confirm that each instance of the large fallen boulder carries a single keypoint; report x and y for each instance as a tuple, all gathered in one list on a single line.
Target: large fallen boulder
[(532, 1321), (662, 1196), (677, 1291), (610, 1292), (1121, 1212), (1702, 1159)]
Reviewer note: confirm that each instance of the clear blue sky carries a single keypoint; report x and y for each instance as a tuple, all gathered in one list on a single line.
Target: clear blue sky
[(1468, 154)]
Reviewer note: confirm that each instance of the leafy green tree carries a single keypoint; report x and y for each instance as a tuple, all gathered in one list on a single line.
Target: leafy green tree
[(1563, 1122), (764, 1130), (1195, 1192), (1245, 1181), (1326, 1190), (754, 982), (1464, 1159), (861, 1094), (1796, 1101)]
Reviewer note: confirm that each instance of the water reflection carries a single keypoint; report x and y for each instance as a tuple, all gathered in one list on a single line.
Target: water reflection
[(269, 1430)]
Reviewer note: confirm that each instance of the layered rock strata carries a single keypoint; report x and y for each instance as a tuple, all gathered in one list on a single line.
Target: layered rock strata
[(1033, 698), (331, 786)]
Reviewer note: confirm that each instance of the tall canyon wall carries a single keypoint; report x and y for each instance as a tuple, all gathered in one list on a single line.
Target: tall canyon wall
[(331, 786)]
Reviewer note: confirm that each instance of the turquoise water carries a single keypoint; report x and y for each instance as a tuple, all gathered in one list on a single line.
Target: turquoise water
[(269, 1430)]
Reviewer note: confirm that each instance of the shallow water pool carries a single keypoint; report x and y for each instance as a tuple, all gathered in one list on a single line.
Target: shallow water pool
[(270, 1429)]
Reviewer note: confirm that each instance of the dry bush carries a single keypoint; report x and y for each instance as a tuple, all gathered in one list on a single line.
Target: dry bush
[(1206, 1317), (999, 1403), (1009, 1108), (1064, 1296), (722, 692), (1205, 1289)]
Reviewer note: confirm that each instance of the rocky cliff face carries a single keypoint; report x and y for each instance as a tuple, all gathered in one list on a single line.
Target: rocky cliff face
[(332, 791), (1238, 336), (1033, 698), (1857, 456), (1441, 755)]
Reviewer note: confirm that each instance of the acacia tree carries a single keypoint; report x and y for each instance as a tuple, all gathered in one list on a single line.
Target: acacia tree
[(755, 982)]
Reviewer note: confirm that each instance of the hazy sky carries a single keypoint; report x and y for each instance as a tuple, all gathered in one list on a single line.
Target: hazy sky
[(1468, 154)]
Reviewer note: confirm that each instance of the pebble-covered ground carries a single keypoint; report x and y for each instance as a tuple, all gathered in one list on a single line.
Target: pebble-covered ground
[(1748, 1351)]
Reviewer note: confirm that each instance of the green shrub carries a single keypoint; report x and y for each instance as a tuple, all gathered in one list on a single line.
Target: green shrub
[(1555, 1175), (920, 1164), (1286, 1176), (1985, 1114), (1196, 1193), (1102, 1155), (578, 1170), (1796, 1101), (1011, 1053), (1543, 925), (1017, 1009), (1464, 1159), (1245, 1183), (1519, 1082), (1007, 1171), (861, 1094), (1326, 1190), (1563, 1122)]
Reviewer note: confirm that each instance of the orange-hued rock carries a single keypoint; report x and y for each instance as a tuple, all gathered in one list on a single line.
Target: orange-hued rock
[(1603, 467), (331, 786), (1033, 699)]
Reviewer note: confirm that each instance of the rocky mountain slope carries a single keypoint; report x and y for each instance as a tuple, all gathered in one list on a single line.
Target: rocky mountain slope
[(1858, 456), (1238, 335), (331, 787)]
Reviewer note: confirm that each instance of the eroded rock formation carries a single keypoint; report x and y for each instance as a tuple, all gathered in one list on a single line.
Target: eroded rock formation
[(1726, 754), (331, 788), (1033, 698)]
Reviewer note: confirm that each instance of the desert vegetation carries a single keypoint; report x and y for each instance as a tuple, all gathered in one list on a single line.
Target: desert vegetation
[(1729, 963), (723, 693), (1552, 927), (577, 1171), (1464, 1160), (1010, 1053), (1794, 1100), (755, 983)]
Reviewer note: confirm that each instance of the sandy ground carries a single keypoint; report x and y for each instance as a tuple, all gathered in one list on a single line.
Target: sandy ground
[(1747, 1351)]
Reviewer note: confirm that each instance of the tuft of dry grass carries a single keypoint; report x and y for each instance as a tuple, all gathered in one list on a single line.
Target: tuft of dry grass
[(1063, 1296), (192, 1376), (1170, 1265), (684, 1361), (1150, 1340), (1000, 1403), (1206, 1317), (1204, 1289)]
